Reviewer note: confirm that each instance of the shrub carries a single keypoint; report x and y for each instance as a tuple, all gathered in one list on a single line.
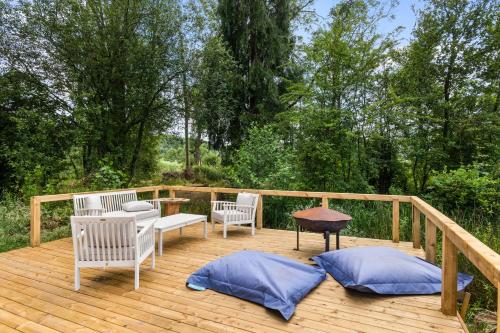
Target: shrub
[(465, 188)]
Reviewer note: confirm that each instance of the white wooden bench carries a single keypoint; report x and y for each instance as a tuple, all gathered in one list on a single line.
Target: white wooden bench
[(110, 204), (174, 222)]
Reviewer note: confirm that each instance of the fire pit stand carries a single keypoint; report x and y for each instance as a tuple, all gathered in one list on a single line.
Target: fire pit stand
[(321, 220)]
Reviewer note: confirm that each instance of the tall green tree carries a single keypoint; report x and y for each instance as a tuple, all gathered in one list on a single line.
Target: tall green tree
[(442, 92), (258, 34)]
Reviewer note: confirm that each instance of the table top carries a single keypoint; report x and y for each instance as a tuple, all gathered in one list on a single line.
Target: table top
[(172, 200), (178, 219), (321, 214)]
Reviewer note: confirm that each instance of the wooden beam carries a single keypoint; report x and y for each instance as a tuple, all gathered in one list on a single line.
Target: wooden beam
[(171, 194), (430, 240), (465, 305), (35, 221), (324, 202), (69, 196), (484, 258), (416, 227), (395, 221), (260, 212), (156, 193), (299, 194), (449, 277)]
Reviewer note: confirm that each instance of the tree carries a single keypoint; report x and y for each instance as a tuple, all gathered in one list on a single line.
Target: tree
[(109, 64), (258, 35)]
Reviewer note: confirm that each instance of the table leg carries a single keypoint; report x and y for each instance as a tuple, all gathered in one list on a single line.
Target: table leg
[(338, 240), (327, 241), (297, 248), (180, 232), (160, 243)]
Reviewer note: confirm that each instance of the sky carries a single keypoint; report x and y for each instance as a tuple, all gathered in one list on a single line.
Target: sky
[(403, 16)]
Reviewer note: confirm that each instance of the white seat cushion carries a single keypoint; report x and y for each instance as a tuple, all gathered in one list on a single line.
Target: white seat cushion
[(136, 206), (245, 199), (142, 215), (219, 214)]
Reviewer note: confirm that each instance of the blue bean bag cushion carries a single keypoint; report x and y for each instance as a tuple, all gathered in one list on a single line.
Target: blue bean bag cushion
[(274, 281), (384, 270)]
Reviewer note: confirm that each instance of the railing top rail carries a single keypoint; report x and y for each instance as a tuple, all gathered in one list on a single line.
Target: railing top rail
[(300, 194), (69, 196), (483, 257)]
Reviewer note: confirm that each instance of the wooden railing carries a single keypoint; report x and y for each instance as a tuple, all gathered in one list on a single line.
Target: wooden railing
[(454, 237)]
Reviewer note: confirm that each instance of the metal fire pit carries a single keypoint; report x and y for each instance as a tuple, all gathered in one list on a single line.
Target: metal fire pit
[(321, 220)]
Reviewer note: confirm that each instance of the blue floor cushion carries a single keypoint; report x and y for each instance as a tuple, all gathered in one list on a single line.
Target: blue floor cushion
[(274, 281), (384, 270)]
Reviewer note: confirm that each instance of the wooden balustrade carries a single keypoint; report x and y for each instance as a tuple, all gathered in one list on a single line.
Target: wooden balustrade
[(455, 238)]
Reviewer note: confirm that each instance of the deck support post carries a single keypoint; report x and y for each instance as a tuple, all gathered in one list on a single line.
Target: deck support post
[(324, 202), (260, 209), (35, 221), (171, 194), (395, 221), (416, 227), (156, 193), (449, 277), (430, 240)]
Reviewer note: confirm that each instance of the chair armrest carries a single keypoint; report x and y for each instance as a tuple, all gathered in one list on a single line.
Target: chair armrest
[(146, 239), (219, 205), (154, 202), (146, 228)]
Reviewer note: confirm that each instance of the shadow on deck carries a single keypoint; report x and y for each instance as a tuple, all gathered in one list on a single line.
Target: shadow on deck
[(36, 292)]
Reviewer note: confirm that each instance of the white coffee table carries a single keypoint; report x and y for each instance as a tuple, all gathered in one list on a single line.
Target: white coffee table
[(174, 222)]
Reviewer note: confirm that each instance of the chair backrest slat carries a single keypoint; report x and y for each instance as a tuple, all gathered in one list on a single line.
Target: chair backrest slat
[(110, 201), (98, 238)]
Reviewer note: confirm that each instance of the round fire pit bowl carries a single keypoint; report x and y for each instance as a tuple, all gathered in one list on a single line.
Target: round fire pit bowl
[(321, 220)]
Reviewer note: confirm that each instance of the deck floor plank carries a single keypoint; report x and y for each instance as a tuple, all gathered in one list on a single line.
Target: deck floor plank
[(36, 291)]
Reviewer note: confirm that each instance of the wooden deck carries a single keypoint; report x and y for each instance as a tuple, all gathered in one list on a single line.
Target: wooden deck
[(36, 293)]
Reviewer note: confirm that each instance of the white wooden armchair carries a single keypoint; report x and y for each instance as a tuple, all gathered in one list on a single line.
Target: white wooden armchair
[(235, 213), (111, 242)]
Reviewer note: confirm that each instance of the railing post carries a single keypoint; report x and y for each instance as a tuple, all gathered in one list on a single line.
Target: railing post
[(260, 206), (171, 193), (416, 227), (35, 221), (449, 278), (213, 197), (156, 193), (430, 241), (395, 221), (324, 202), (498, 305)]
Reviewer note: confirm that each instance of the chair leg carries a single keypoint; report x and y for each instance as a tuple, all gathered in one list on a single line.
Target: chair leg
[(225, 230), (136, 276), (77, 278), (153, 263), (253, 228), (213, 224)]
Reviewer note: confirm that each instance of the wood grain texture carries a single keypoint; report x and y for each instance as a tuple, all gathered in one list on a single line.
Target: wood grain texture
[(36, 292), (449, 277), (260, 212), (416, 227), (430, 240), (395, 221)]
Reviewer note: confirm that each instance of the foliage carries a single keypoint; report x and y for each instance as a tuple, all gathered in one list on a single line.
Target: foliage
[(466, 187), (106, 67), (263, 161)]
